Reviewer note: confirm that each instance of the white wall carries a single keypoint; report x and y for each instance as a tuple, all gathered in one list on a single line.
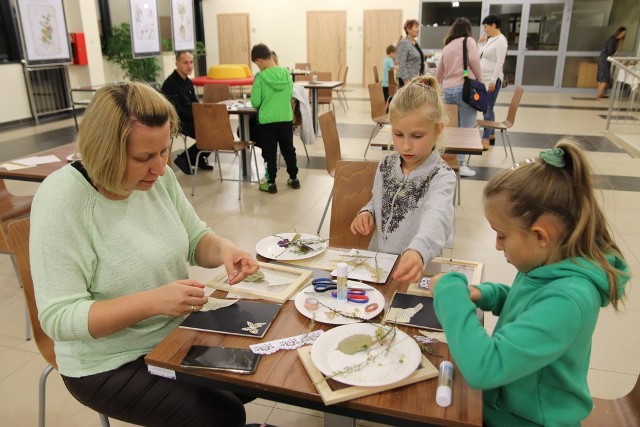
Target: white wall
[(282, 25), (14, 102)]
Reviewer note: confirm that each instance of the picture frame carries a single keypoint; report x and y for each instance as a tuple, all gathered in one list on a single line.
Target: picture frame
[(333, 392), (293, 280), (182, 25), (43, 27), (474, 271), (145, 28)]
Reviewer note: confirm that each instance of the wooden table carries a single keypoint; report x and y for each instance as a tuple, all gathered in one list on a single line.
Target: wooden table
[(40, 172), (314, 88), (454, 140), (282, 377)]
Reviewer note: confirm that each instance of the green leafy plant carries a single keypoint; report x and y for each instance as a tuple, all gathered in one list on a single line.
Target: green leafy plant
[(166, 45), (118, 50)]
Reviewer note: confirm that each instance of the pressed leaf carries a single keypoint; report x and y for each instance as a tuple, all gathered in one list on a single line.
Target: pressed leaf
[(355, 343)]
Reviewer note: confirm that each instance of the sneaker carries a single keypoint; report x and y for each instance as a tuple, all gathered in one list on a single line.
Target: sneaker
[(466, 171), (183, 164), (293, 183), (204, 164), (268, 187)]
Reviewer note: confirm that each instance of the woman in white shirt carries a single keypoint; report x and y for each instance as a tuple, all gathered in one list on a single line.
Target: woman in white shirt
[(492, 50)]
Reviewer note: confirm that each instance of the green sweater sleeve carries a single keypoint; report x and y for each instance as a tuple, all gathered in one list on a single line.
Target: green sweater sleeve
[(528, 342)]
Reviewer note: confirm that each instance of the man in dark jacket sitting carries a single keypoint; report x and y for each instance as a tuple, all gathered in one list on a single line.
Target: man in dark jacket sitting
[(179, 90)]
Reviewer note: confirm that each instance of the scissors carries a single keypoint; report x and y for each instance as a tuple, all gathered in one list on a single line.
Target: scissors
[(325, 284), (357, 295)]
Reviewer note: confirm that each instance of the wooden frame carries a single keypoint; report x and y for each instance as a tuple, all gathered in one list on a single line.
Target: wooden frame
[(145, 28), (341, 392), (473, 270), (261, 289), (44, 32)]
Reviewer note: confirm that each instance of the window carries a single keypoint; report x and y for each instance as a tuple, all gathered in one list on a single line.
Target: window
[(9, 48)]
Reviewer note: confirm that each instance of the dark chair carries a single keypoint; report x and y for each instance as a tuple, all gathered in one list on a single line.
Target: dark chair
[(19, 235)]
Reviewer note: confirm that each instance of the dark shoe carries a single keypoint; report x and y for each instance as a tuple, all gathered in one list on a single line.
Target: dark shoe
[(183, 164), (293, 183), (204, 165), (268, 187), (492, 140)]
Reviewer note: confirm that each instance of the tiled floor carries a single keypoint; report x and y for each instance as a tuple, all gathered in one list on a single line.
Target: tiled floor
[(542, 118)]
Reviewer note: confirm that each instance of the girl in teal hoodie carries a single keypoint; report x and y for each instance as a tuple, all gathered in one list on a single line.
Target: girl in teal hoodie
[(533, 368)]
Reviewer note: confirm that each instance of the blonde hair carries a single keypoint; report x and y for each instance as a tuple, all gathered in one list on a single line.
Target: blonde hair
[(106, 126), (421, 94), (535, 187)]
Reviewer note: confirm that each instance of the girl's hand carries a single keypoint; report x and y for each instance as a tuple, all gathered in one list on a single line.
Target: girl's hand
[(434, 281), (410, 267), (362, 223), (180, 297)]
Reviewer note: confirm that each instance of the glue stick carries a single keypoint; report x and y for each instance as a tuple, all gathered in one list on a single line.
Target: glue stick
[(445, 381), (341, 279)]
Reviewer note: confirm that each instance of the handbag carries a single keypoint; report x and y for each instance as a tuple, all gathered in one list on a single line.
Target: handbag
[(505, 81), (474, 92)]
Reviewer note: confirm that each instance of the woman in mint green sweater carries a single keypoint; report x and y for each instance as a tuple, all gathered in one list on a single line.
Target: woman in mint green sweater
[(533, 368), (110, 238)]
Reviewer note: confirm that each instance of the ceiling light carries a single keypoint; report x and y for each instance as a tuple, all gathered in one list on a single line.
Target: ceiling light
[(455, 4)]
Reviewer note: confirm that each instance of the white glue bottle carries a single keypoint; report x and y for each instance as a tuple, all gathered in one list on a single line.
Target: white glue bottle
[(445, 381), (341, 279)]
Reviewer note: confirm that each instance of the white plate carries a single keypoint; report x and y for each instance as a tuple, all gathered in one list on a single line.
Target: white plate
[(388, 367), (384, 261), (323, 314), (268, 247)]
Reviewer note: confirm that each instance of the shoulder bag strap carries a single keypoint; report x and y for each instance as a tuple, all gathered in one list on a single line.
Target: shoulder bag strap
[(465, 72)]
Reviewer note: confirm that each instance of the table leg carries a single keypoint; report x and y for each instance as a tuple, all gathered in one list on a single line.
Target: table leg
[(333, 420), (244, 136)]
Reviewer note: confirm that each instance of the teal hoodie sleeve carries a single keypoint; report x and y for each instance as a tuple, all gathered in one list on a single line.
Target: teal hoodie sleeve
[(517, 349)]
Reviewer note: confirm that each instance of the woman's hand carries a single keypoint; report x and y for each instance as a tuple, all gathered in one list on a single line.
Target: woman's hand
[(362, 223), (491, 87), (238, 263), (180, 297), (410, 267)]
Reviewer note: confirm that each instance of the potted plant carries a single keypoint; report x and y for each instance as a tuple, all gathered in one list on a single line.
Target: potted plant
[(118, 50)]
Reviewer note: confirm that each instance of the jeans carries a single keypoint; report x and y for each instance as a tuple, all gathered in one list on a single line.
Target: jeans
[(466, 114), (490, 115)]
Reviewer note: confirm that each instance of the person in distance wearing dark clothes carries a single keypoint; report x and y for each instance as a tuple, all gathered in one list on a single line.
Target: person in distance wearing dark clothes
[(179, 91)]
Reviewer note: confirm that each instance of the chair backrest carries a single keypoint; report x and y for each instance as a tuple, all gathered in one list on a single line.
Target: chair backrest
[(513, 107), (303, 66), (11, 207), (324, 95), (344, 76), (393, 84), (352, 185), (331, 140), (216, 93), (297, 115), (19, 237), (213, 128), (378, 103), (623, 411), (376, 77), (452, 115)]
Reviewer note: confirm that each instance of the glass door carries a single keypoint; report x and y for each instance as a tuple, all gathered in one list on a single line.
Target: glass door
[(537, 40)]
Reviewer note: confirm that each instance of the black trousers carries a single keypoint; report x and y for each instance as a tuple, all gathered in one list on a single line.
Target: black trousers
[(271, 135), (131, 394)]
